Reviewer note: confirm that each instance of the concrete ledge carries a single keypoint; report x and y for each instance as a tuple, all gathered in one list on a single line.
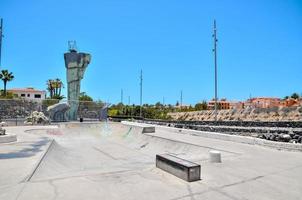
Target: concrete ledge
[(181, 168), (146, 128), (8, 138), (239, 139)]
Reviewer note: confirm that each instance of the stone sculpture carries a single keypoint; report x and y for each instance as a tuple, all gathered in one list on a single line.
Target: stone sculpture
[(36, 118), (76, 64), (58, 112)]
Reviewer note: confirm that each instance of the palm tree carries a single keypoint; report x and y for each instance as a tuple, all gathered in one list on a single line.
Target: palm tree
[(54, 87), (59, 85), (50, 87), (6, 76)]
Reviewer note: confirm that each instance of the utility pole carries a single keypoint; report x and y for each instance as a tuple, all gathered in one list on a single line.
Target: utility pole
[(130, 107), (215, 63), (141, 93), (163, 101), (1, 35), (122, 96), (180, 99)]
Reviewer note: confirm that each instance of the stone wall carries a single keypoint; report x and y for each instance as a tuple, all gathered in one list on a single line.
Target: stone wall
[(256, 114), (19, 108)]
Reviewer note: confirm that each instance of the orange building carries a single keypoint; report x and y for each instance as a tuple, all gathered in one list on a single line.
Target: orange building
[(291, 102), (237, 105), (222, 104), (264, 102)]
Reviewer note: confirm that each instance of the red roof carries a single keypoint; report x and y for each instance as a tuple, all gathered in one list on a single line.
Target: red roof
[(25, 90)]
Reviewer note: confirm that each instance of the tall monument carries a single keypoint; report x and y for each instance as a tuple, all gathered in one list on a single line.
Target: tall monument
[(76, 64)]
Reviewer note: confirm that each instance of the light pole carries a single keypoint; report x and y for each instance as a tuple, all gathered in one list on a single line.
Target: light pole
[(1, 35), (122, 96), (141, 93), (215, 63), (180, 99)]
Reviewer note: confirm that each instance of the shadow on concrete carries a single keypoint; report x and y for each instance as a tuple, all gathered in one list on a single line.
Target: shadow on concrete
[(32, 150)]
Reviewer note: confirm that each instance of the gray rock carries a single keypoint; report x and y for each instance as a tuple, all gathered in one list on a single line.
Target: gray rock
[(296, 137), (293, 141), (272, 137), (285, 137), (2, 131), (58, 112), (300, 139)]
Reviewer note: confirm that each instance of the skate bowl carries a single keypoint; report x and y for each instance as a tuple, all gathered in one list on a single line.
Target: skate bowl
[(8, 138), (108, 147), (118, 161)]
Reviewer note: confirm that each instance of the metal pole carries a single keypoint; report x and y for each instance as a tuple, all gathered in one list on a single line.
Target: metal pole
[(141, 93), (130, 107), (180, 99), (215, 63), (122, 96), (1, 35)]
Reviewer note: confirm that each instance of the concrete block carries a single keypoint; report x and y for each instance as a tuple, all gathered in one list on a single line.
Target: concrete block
[(215, 156), (181, 168), (149, 129)]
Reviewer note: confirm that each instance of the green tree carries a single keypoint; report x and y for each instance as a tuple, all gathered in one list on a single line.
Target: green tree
[(201, 106), (158, 105), (84, 97), (295, 96), (6, 76)]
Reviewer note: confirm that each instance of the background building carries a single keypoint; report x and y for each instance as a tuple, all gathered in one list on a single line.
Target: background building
[(222, 104), (264, 102), (29, 93)]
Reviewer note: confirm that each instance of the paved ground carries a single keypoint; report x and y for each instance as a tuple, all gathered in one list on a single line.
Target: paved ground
[(114, 161)]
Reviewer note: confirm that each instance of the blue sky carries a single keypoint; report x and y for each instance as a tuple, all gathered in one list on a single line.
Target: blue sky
[(259, 47)]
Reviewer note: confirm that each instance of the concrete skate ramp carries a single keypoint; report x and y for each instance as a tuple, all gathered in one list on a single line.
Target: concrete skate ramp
[(113, 161), (84, 148)]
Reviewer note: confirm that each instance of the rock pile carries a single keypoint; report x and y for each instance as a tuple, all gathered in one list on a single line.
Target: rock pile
[(249, 114), (36, 118), (292, 138), (274, 131)]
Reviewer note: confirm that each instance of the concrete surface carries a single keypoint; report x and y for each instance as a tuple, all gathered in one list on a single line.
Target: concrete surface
[(114, 161), (8, 138), (235, 138)]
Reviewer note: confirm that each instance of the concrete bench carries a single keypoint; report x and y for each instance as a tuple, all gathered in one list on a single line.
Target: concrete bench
[(181, 168)]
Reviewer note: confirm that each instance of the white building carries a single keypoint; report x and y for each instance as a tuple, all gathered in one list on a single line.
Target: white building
[(29, 93)]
